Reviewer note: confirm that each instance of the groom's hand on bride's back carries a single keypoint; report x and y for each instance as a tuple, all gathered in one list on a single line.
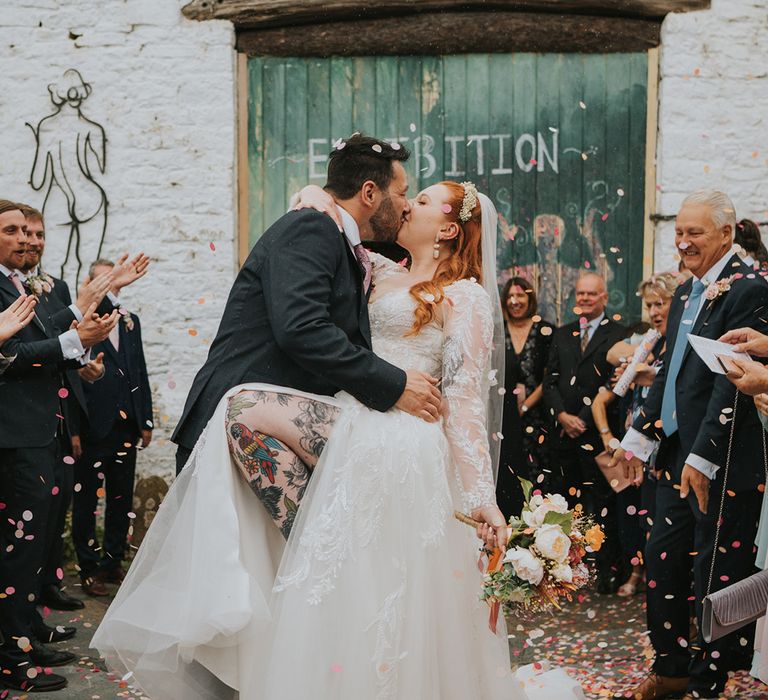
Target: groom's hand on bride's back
[(421, 397)]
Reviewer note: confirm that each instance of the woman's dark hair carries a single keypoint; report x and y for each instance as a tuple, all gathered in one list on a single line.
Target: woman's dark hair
[(358, 159), (748, 237), (529, 290)]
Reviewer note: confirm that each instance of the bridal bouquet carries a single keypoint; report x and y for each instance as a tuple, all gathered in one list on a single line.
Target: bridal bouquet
[(544, 562)]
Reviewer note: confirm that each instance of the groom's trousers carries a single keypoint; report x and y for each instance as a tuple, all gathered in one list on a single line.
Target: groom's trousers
[(678, 560)]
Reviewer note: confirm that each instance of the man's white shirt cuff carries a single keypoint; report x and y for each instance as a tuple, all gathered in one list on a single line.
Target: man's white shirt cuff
[(638, 444), (707, 468), (72, 348), (115, 301), (76, 312)]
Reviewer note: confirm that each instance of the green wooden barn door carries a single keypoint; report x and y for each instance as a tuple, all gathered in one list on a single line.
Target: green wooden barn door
[(556, 140)]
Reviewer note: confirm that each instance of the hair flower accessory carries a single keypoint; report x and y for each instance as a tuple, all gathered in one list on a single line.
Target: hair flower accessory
[(469, 202)]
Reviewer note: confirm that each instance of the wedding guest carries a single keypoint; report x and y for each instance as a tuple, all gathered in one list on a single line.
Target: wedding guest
[(704, 455), (527, 338), (120, 419), (576, 368), (30, 445), (58, 297), (634, 505), (749, 239)]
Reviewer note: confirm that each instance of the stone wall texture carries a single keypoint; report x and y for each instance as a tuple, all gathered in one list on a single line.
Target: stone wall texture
[(713, 112), (163, 89)]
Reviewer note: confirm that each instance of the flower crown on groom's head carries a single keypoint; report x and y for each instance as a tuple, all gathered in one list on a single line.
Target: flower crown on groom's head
[(469, 202)]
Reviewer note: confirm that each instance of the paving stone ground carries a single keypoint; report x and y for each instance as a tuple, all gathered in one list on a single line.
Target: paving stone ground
[(600, 640)]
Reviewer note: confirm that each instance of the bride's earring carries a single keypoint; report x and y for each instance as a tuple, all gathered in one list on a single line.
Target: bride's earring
[(436, 251)]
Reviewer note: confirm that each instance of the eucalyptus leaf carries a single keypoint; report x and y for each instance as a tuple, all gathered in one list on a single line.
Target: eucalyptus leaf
[(564, 520)]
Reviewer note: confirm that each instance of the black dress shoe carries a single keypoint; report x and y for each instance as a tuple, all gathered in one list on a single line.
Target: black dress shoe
[(43, 656), (41, 683), (47, 634), (607, 586), (55, 598)]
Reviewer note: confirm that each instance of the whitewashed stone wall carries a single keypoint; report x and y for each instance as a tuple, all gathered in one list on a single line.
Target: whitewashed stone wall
[(713, 112), (163, 88)]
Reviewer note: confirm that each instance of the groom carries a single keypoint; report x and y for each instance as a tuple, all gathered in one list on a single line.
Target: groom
[(297, 316)]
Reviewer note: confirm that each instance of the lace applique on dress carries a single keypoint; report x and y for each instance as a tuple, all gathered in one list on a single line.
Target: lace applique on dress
[(388, 627)]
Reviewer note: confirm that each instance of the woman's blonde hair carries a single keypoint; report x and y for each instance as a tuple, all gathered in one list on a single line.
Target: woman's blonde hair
[(664, 284)]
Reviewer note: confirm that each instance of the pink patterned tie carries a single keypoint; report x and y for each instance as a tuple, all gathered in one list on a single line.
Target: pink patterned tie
[(362, 256), (16, 282)]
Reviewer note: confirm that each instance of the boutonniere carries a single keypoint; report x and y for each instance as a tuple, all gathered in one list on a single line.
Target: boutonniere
[(127, 318), (720, 287), (40, 284)]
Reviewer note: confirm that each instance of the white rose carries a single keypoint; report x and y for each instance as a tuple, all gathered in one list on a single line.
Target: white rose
[(563, 572), (552, 542), (541, 505), (526, 565), (556, 503)]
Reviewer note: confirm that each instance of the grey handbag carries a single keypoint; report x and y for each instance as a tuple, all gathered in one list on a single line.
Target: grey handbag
[(742, 602)]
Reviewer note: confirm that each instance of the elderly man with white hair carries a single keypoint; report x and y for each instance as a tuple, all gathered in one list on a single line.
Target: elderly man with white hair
[(710, 455)]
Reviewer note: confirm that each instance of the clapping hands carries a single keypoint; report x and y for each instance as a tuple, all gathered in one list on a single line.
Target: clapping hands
[(16, 317), (94, 370), (95, 328)]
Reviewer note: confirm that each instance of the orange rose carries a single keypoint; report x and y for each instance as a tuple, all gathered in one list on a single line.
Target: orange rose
[(595, 538)]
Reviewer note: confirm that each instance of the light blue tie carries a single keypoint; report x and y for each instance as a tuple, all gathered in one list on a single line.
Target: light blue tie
[(668, 407)]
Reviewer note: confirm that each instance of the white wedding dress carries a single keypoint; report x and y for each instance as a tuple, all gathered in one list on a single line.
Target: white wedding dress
[(375, 595)]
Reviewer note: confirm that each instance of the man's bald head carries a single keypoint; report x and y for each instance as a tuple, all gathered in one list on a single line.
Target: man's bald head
[(591, 295)]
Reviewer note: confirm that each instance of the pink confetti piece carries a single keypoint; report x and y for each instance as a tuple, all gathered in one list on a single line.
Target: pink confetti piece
[(68, 460), (447, 208), (63, 393), (212, 246)]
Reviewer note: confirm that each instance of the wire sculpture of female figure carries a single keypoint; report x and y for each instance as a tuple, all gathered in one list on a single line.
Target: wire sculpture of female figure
[(70, 149)]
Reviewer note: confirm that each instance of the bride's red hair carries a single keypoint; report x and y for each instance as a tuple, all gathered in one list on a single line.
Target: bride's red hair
[(464, 262)]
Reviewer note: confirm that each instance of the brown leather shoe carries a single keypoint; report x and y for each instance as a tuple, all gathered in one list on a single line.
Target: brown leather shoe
[(94, 587), (656, 687), (116, 575)]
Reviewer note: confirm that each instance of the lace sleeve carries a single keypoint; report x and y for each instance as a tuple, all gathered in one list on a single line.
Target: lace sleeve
[(467, 375), (383, 267)]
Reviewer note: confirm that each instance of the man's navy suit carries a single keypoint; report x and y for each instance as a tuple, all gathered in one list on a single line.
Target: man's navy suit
[(119, 408), (682, 538)]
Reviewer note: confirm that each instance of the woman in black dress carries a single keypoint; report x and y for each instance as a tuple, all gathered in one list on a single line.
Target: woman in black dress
[(528, 338)]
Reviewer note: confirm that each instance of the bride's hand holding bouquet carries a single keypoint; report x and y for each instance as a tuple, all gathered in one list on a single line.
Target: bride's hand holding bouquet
[(543, 562)]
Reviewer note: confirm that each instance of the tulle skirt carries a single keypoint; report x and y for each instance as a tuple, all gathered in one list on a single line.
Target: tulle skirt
[(376, 595)]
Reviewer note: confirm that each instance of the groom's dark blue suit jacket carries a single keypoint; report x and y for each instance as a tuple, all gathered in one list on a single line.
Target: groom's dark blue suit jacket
[(701, 395), (296, 316)]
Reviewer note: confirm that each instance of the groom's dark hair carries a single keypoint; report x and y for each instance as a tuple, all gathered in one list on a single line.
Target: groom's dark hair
[(358, 159)]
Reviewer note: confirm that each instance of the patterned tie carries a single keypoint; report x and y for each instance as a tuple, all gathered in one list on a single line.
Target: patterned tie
[(365, 262), (16, 282), (668, 403), (584, 338)]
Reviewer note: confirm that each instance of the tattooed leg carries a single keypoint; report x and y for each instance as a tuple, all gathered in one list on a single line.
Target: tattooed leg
[(275, 440)]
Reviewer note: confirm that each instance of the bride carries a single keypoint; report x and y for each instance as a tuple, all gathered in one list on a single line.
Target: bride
[(375, 594)]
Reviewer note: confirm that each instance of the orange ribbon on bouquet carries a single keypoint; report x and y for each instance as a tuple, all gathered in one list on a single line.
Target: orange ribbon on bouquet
[(495, 560)]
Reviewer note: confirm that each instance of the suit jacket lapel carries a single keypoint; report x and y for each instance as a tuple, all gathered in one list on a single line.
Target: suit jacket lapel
[(675, 312), (365, 326), (597, 337), (709, 307)]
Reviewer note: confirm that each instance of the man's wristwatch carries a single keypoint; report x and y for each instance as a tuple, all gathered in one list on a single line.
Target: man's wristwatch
[(605, 431)]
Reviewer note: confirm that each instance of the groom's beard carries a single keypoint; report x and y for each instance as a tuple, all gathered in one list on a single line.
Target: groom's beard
[(385, 223)]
